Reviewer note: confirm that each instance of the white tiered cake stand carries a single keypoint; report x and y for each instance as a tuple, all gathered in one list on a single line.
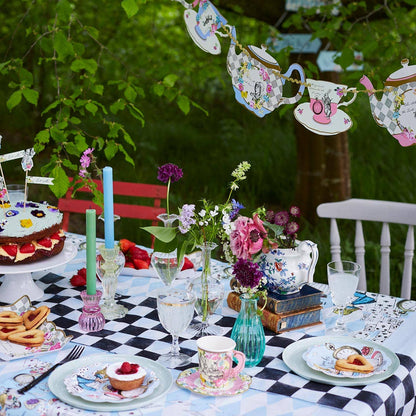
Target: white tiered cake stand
[(18, 281)]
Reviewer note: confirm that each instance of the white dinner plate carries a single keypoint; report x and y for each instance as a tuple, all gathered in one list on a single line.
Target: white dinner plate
[(292, 356), (58, 388)]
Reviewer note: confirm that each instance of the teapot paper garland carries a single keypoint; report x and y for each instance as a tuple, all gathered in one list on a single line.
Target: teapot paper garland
[(258, 83), (396, 111)]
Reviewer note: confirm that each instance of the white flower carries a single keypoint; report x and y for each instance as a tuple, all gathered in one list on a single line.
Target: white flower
[(202, 213)]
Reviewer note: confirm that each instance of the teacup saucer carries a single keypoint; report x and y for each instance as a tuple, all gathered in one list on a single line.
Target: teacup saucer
[(340, 122), (189, 379), (211, 44)]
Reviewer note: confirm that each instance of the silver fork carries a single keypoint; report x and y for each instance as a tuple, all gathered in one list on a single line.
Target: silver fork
[(73, 355)]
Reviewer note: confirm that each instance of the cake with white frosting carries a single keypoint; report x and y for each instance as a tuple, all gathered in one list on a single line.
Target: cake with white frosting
[(29, 231), (125, 376)]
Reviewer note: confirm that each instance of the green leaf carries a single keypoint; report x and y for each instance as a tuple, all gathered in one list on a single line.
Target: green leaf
[(130, 94), (91, 107), (63, 10), (130, 7), (43, 136), (72, 149), (170, 80), (14, 99), (62, 46), (120, 104), (163, 234), (31, 96), (75, 120), (61, 182), (128, 139), (80, 143), (50, 107), (90, 65), (158, 89), (97, 88), (111, 149), (127, 157), (183, 103), (114, 129), (57, 135), (26, 77)]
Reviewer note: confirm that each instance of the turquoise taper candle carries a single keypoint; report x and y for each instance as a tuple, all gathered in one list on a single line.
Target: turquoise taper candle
[(91, 251), (108, 207)]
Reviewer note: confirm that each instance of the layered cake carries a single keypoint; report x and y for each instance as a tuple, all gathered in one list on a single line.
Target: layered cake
[(125, 376), (29, 232)]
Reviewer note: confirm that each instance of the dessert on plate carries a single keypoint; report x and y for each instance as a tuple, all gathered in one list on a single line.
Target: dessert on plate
[(29, 231), (125, 376)]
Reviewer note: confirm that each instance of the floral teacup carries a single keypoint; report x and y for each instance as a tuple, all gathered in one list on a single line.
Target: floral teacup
[(215, 354)]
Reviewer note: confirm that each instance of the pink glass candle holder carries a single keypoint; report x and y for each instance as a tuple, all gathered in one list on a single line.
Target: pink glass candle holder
[(91, 319)]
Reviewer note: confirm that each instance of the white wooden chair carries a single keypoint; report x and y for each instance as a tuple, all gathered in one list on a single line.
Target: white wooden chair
[(385, 212)]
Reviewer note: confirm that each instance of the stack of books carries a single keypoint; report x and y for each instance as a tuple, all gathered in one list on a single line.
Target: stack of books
[(285, 312)]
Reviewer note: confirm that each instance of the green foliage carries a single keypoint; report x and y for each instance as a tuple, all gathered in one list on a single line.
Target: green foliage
[(73, 67)]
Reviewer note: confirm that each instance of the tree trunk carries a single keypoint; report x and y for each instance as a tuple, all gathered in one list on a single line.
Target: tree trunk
[(323, 165)]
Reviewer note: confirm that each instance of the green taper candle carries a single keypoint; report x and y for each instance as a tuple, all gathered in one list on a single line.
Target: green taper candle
[(91, 252)]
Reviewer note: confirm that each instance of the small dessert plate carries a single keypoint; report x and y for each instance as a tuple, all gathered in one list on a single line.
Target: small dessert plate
[(91, 384), (55, 338), (323, 357), (189, 379), (340, 122)]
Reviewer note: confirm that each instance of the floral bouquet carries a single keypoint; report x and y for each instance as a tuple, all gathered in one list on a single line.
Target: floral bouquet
[(264, 231)]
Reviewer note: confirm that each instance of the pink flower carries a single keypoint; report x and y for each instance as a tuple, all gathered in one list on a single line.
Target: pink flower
[(281, 218), (241, 87), (292, 228), (269, 88), (294, 211), (247, 237)]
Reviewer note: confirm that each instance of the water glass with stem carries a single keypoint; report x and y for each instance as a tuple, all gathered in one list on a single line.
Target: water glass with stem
[(343, 277), (166, 265), (175, 308)]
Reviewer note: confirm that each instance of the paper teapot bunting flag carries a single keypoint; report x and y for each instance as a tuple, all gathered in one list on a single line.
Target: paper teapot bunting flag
[(256, 79), (321, 114), (396, 110), (202, 26)]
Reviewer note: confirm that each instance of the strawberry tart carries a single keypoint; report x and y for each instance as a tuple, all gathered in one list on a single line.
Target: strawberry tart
[(29, 232), (125, 376)]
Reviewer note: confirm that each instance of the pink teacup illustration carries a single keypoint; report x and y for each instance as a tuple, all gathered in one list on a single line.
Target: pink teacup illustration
[(325, 99)]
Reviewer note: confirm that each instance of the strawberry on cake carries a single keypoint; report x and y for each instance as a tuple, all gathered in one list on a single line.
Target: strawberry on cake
[(29, 232), (125, 376)]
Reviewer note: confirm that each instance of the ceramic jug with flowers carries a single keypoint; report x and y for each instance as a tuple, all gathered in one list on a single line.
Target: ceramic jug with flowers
[(269, 239)]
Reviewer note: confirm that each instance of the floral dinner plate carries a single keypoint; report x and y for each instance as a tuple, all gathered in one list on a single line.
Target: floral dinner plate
[(322, 357), (90, 382), (293, 358)]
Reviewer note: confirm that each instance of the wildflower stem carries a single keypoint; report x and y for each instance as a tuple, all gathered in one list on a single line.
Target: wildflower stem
[(167, 197)]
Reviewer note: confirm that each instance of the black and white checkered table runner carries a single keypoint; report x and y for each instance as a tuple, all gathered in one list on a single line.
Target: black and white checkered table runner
[(140, 333)]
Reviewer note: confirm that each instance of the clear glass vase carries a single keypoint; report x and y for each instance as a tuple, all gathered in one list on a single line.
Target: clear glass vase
[(209, 293), (248, 332), (168, 219), (110, 261)]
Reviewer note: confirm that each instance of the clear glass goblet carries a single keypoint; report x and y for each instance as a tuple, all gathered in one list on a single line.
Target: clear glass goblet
[(166, 265), (209, 294), (175, 308), (110, 262), (343, 277)]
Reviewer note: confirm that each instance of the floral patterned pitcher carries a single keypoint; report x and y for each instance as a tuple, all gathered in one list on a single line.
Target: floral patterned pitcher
[(288, 269)]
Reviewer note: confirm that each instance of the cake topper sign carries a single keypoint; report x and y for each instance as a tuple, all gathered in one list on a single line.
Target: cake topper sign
[(27, 164)]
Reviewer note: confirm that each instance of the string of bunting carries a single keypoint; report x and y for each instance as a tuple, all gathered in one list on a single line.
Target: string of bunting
[(258, 82)]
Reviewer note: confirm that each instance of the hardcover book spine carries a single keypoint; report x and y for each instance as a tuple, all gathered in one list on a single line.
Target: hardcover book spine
[(281, 322), (280, 306)]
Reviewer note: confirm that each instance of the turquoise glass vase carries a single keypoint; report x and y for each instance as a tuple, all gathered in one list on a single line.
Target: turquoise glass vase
[(248, 332)]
